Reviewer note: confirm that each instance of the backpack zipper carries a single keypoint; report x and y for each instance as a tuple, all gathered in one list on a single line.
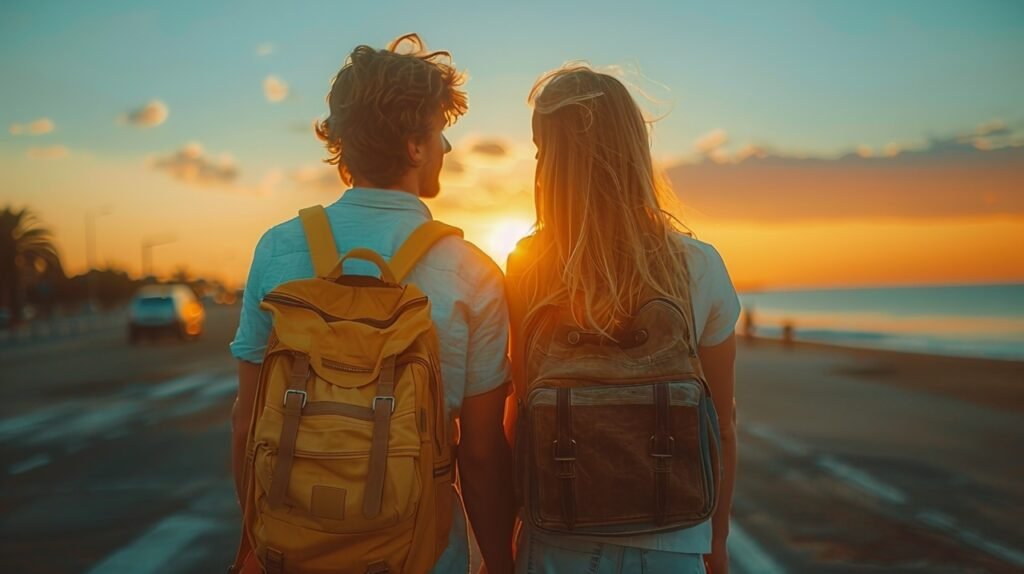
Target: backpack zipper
[(379, 323), (339, 366)]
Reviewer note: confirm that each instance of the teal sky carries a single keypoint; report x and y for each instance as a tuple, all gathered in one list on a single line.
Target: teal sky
[(802, 77)]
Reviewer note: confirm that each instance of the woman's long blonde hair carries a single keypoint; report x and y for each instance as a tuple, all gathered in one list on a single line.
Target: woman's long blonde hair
[(602, 240)]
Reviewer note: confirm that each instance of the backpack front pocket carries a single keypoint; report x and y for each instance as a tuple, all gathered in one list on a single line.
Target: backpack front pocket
[(632, 462), (328, 478)]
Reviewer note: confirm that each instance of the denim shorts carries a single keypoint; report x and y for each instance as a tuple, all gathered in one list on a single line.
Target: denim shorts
[(541, 553)]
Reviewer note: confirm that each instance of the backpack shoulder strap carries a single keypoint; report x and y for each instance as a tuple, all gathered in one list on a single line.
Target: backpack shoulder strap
[(322, 249), (416, 246)]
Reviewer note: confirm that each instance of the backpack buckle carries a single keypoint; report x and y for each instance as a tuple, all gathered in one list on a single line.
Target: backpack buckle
[(297, 392), (670, 443), (380, 398), (570, 456)]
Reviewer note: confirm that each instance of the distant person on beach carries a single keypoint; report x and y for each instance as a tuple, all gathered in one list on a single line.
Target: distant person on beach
[(788, 333), (388, 109), (607, 289), (749, 325)]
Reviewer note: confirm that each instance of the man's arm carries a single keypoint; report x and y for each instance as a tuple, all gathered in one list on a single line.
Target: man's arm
[(485, 470), (241, 417), (719, 368)]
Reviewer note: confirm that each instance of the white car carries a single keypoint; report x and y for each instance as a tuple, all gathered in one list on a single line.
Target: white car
[(157, 309)]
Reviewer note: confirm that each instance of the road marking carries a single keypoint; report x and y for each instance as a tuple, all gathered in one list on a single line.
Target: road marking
[(27, 423), (162, 548), (748, 554), (856, 477), (180, 385), (29, 464), (946, 524), (92, 421), (221, 387), (783, 442), (111, 417), (874, 486), (936, 519), (862, 480)]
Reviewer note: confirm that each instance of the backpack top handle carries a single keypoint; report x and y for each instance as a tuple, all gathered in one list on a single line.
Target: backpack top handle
[(366, 255), (327, 261)]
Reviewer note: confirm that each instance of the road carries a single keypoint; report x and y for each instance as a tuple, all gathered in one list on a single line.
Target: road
[(115, 459)]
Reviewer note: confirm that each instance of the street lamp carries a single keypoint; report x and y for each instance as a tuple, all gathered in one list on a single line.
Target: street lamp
[(90, 251), (148, 244)]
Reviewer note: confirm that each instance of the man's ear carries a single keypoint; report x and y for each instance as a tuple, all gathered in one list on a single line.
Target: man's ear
[(417, 151)]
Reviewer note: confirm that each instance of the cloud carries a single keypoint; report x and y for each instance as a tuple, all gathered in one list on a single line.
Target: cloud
[(491, 148), (751, 150), (268, 184), (52, 152), (477, 162), (711, 141), (453, 165), (946, 177), (265, 49), (304, 128), (35, 127), (275, 89), (322, 178), (484, 171), (191, 165), (148, 116), (993, 128)]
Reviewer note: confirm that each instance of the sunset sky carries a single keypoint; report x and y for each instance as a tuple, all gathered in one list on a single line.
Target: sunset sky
[(877, 143)]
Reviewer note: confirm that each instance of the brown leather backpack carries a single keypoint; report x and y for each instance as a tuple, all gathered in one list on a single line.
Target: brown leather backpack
[(616, 437)]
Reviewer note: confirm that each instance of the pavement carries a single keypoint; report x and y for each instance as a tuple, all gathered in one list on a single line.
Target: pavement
[(115, 458)]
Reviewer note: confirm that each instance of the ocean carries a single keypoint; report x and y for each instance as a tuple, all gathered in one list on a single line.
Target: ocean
[(963, 320)]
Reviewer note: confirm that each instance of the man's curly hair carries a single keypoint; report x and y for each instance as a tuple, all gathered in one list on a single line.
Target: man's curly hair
[(380, 99)]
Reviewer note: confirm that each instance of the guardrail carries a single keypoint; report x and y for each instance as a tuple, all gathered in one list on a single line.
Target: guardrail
[(61, 328)]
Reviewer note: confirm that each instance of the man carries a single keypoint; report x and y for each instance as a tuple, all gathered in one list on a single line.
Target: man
[(387, 112)]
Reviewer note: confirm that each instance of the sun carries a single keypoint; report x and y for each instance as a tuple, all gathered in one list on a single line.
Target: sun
[(505, 233)]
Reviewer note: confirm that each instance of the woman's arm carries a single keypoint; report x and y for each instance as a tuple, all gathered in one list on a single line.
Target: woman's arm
[(719, 368), (516, 314)]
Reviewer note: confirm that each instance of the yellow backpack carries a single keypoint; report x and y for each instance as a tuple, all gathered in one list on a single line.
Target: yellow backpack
[(349, 462)]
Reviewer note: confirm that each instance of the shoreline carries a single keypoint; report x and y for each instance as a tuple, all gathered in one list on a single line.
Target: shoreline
[(839, 346), (991, 382)]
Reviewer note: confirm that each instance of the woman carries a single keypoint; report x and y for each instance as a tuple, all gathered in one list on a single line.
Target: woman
[(601, 241)]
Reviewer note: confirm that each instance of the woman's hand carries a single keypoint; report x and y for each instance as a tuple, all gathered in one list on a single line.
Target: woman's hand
[(718, 561)]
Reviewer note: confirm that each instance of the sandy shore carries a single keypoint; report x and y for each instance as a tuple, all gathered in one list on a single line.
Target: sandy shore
[(990, 382)]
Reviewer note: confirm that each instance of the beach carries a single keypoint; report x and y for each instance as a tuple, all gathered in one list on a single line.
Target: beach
[(994, 383)]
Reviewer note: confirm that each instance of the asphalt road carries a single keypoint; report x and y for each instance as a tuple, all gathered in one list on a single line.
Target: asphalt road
[(115, 459)]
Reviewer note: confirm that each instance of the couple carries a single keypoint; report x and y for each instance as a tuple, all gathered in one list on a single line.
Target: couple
[(602, 247)]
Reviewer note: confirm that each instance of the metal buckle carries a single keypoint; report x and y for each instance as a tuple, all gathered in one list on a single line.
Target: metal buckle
[(297, 392), (671, 447), (570, 458), (380, 398)]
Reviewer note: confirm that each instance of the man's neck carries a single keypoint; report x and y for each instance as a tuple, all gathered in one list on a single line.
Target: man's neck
[(408, 185)]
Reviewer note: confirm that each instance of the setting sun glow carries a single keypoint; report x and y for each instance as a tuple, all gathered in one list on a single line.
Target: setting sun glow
[(503, 237)]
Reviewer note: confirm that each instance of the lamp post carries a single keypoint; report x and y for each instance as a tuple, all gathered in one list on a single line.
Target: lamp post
[(148, 244), (90, 251)]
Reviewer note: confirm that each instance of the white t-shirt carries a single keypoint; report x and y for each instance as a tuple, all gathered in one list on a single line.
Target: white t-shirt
[(465, 288), (716, 307)]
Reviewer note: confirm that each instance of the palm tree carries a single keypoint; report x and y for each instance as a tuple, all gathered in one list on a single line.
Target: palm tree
[(24, 247)]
